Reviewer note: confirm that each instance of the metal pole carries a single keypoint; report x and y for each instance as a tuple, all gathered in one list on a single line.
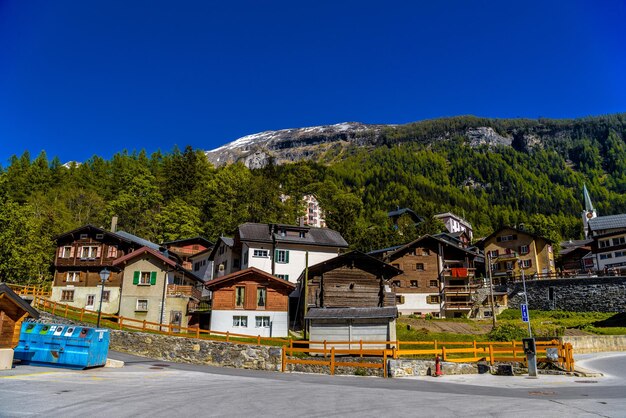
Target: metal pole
[(493, 308), (530, 332), (306, 285), (100, 308)]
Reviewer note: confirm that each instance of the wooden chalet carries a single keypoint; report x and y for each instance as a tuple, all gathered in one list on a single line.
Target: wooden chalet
[(348, 298), (250, 302), (188, 247)]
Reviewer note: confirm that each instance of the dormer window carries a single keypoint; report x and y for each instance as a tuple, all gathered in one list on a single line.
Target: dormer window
[(302, 234)]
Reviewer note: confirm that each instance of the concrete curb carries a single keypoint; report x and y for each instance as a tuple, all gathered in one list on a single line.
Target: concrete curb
[(114, 364)]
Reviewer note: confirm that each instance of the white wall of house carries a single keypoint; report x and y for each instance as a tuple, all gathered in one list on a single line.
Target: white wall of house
[(225, 259), (297, 258), (415, 303), (81, 297), (223, 321)]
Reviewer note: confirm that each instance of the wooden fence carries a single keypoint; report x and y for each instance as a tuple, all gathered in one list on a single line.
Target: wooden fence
[(452, 351), (31, 290)]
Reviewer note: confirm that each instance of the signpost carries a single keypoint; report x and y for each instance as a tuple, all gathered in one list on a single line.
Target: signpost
[(529, 343)]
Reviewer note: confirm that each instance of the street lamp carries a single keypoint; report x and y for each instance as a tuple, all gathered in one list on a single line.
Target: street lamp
[(104, 276)]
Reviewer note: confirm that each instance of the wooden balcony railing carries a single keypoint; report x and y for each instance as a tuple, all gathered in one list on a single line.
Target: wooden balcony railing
[(182, 290)]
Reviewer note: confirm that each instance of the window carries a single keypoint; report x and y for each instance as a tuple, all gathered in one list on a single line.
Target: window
[(262, 321), (240, 321), (196, 266), (144, 278), (432, 299), (99, 236), (261, 253), (240, 296), (509, 265), (90, 300), (619, 241), (620, 254), (425, 252), (433, 283), (397, 283), (261, 297), (72, 276), (414, 283), (604, 243), (106, 295), (526, 263), (236, 264), (523, 249), (66, 252), (282, 256), (302, 234), (84, 236), (494, 253), (283, 276), (399, 299), (245, 258), (419, 266), (142, 305), (222, 249), (605, 256), (89, 252), (67, 295), (112, 252), (505, 238)]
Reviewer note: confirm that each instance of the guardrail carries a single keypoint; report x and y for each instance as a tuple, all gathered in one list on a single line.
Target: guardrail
[(452, 351), (30, 290)]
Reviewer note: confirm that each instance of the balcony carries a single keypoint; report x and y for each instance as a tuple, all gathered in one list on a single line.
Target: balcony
[(458, 306), (460, 272), (512, 256), (177, 290), (459, 290)]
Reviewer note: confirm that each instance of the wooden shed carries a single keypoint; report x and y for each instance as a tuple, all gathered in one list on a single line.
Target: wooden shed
[(13, 309), (352, 324)]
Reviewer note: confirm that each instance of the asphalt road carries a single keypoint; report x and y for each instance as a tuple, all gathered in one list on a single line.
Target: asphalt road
[(149, 388)]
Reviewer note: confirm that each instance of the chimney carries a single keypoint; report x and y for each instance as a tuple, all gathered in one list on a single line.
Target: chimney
[(114, 224)]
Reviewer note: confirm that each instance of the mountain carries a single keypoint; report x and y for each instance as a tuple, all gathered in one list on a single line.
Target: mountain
[(332, 143)]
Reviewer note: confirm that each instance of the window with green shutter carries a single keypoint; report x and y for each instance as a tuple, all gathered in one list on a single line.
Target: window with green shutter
[(281, 256), (136, 277), (145, 278), (153, 278)]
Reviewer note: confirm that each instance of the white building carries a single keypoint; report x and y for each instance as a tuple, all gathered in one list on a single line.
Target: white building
[(280, 250), (609, 241), (455, 223), (314, 216)]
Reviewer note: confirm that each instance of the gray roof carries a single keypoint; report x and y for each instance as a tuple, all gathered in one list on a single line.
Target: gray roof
[(137, 240), (352, 313), (608, 222), (228, 241), (313, 236)]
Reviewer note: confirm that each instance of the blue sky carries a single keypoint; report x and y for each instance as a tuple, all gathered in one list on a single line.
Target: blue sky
[(82, 78)]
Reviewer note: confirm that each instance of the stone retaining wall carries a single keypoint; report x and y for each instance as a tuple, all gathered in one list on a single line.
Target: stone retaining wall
[(601, 294), (596, 343), (404, 368)]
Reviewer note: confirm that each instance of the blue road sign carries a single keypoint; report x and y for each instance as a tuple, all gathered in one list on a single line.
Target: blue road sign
[(524, 312)]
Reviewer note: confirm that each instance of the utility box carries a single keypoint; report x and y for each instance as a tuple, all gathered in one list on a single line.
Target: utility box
[(59, 345)]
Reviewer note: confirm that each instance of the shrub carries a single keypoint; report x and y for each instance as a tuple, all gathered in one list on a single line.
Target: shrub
[(507, 332)]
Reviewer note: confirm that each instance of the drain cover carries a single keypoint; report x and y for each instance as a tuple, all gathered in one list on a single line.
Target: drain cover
[(541, 393)]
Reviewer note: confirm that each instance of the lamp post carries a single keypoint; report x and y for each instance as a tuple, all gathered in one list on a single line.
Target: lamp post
[(104, 276)]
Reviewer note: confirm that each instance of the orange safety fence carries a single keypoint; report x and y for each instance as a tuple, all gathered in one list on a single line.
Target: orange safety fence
[(452, 351)]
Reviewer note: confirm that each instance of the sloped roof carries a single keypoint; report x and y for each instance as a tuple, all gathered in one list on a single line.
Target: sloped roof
[(269, 233), (159, 255), (229, 242), (194, 240), (401, 211), (424, 238), (519, 231), (352, 313), (242, 274), (356, 259), (608, 222), (8, 294), (376, 253), (89, 228), (137, 240)]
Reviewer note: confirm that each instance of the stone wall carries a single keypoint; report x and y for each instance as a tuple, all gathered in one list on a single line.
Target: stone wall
[(187, 350), (602, 294), (404, 368), (596, 343)]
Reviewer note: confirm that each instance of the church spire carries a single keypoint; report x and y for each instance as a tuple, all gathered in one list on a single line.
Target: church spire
[(588, 204)]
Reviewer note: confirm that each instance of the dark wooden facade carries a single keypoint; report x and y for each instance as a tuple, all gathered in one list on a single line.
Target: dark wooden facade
[(351, 280), (84, 252)]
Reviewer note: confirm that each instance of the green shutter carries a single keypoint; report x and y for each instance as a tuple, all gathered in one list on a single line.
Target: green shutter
[(136, 277), (287, 256), (276, 256), (153, 278)]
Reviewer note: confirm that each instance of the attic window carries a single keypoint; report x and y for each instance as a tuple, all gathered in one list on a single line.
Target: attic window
[(302, 234), (99, 236), (84, 236)]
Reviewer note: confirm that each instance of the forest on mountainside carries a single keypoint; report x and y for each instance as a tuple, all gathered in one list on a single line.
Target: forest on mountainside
[(167, 196)]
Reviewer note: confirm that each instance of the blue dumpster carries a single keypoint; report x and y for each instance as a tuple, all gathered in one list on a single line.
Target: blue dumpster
[(59, 345)]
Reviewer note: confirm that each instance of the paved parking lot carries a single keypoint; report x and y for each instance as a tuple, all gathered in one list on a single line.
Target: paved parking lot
[(154, 388)]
